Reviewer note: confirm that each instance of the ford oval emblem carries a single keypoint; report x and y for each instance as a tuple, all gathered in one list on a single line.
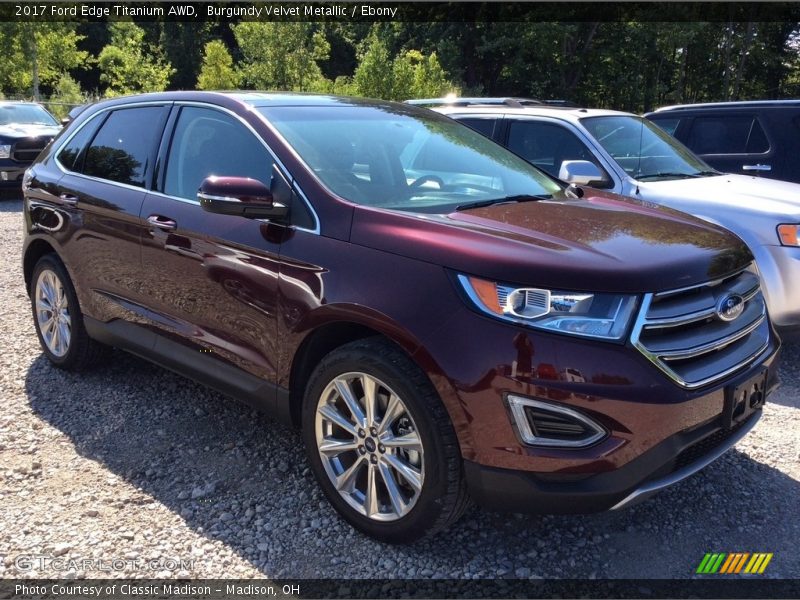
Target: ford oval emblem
[(730, 307)]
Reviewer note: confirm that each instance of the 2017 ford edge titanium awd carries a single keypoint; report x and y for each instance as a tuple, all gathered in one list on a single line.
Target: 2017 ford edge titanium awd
[(441, 319)]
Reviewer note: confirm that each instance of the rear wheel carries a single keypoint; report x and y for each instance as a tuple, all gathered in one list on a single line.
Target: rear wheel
[(58, 319), (381, 444)]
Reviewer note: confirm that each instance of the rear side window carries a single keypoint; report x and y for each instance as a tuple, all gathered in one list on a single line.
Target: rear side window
[(72, 154), (484, 126), (727, 135), (125, 144), (208, 142)]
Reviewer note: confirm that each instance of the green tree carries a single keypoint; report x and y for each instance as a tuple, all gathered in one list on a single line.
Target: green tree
[(37, 54), (66, 94), (411, 74), (129, 66), (281, 56), (217, 72)]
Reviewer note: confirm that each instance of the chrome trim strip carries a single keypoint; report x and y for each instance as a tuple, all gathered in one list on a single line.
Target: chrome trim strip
[(518, 404), (639, 326), (689, 470), (693, 317), (715, 345)]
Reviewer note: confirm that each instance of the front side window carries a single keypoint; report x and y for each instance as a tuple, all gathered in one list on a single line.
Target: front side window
[(209, 142), (403, 158), (125, 144), (547, 145), (644, 150)]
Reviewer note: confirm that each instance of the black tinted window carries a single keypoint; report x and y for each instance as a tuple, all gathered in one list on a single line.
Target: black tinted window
[(668, 125), (208, 142), (727, 135), (484, 126), (72, 154), (122, 148), (546, 145)]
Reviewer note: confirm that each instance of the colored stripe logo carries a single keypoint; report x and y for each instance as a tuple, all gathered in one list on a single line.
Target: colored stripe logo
[(734, 563)]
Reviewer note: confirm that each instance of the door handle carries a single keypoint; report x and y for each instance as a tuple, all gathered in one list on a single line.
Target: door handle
[(757, 168), (68, 199), (162, 222)]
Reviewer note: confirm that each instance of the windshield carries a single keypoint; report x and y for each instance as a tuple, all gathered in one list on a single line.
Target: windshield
[(404, 158), (643, 150), (27, 114)]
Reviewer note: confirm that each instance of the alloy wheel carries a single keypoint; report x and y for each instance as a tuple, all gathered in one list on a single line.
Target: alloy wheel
[(52, 313), (369, 446)]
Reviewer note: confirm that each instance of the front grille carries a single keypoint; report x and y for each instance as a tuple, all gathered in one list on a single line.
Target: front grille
[(26, 151), (683, 334)]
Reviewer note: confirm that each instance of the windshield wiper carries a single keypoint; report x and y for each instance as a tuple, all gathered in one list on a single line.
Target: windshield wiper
[(668, 174), (517, 198)]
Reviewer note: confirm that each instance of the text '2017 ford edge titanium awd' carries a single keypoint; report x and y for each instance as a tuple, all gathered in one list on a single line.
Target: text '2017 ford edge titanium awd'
[(441, 319)]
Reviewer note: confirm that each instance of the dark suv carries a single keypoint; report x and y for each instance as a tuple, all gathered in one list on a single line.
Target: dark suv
[(25, 129), (441, 319), (752, 138)]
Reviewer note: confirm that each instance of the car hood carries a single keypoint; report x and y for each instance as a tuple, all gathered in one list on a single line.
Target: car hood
[(27, 130), (601, 242), (750, 206)]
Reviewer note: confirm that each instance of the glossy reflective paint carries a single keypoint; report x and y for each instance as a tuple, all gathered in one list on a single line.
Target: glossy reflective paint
[(252, 294)]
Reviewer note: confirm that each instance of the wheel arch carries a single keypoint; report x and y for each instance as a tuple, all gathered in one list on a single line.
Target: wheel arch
[(35, 250)]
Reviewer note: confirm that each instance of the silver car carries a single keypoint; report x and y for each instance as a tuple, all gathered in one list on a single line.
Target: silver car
[(627, 154)]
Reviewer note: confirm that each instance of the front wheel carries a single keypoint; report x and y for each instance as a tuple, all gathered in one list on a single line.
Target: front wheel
[(381, 443)]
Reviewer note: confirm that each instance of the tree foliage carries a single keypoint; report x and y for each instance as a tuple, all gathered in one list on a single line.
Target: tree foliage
[(281, 55), (128, 65), (217, 72), (629, 65)]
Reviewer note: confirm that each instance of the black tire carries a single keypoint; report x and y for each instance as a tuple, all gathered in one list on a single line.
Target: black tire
[(443, 496), (82, 352)]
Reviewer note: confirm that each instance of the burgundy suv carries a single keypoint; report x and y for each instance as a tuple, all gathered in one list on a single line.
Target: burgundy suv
[(441, 319)]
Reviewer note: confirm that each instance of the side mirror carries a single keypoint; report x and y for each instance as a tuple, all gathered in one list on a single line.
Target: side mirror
[(580, 172), (240, 196)]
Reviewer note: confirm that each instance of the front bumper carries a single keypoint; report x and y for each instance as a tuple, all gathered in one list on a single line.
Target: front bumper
[(779, 267), (668, 463), (11, 173)]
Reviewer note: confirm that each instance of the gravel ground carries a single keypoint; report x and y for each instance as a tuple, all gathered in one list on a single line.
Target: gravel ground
[(132, 462)]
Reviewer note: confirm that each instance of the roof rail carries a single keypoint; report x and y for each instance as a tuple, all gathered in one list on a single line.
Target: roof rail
[(506, 101)]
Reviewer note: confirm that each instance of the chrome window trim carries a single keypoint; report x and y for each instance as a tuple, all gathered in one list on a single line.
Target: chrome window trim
[(517, 405), (65, 171), (104, 110)]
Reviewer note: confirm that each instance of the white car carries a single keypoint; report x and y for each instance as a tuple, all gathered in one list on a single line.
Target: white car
[(626, 154)]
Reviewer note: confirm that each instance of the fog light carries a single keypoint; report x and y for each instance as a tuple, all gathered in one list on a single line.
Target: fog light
[(552, 425)]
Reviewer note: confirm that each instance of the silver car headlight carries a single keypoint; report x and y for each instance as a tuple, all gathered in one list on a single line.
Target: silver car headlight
[(5, 150), (585, 314)]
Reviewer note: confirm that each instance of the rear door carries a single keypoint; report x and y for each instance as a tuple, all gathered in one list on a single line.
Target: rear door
[(732, 142), (107, 167)]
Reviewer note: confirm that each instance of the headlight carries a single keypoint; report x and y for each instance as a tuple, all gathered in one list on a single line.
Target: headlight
[(604, 316), (789, 235), (5, 150)]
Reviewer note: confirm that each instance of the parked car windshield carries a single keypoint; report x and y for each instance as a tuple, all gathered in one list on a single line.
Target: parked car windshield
[(644, 150), (404, 158), (27, 114)]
